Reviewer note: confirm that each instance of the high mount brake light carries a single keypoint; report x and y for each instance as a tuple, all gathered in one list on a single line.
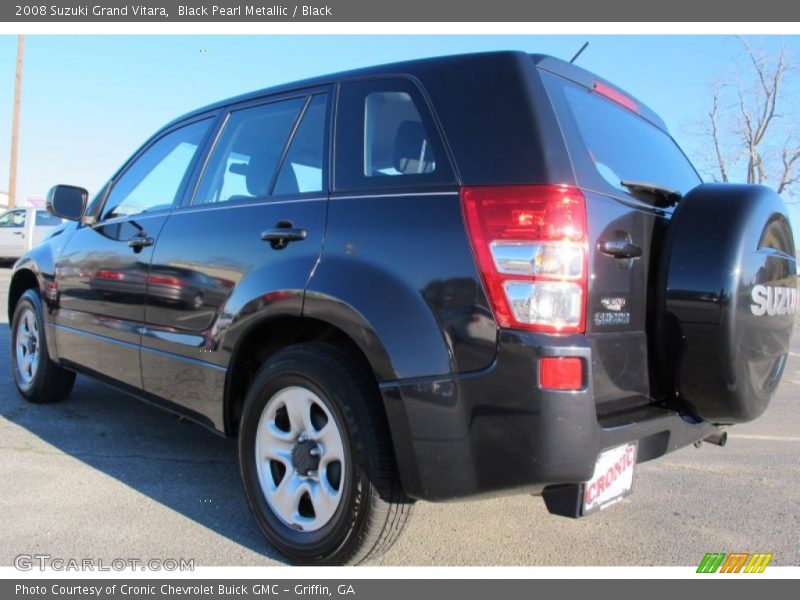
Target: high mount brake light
[(616, 96), (530, 244)]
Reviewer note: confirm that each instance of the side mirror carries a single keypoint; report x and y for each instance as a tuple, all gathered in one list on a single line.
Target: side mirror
[(67, 202)]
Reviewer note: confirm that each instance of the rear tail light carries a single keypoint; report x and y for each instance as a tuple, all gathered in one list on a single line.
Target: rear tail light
[(167, 280), (530, 244), (105, 274)]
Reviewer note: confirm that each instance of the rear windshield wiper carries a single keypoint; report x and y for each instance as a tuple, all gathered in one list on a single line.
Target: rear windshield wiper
[(652, 193)]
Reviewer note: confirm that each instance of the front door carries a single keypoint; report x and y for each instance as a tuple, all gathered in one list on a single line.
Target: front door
[(216, 267), (102, 272)]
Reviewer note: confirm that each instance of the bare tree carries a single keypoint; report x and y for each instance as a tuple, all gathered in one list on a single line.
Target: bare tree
[(715, 135), (751, 125)]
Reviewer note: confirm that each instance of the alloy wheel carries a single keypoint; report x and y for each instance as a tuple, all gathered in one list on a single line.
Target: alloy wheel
[(300, 459)]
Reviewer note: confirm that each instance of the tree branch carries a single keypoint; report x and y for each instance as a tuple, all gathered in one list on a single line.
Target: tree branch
[(744, 121), (749, 137), (790, 175), (713, 116), (770, 80)]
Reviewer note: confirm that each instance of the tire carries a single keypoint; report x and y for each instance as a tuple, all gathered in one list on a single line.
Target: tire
[(358, 508), (40, 380), (725, 303)]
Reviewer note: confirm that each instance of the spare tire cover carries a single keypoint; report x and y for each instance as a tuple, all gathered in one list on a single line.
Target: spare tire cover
[(727, 296)]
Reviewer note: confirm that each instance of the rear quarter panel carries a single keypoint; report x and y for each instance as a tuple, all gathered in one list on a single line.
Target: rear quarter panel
[(397, 272)]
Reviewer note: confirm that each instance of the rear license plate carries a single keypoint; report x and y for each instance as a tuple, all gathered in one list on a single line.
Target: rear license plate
[(612, 479)]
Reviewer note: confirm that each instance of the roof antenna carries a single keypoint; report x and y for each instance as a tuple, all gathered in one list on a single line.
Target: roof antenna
[(578, 53)]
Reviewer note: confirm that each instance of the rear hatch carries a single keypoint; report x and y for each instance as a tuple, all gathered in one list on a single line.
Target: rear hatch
[(624, 160)]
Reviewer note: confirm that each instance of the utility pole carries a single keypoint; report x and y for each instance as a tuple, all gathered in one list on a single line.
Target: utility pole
[(12, 174)]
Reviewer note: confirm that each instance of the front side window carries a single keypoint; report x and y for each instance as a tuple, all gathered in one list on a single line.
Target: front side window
[(243, 162), (153, 180), (13, 218)]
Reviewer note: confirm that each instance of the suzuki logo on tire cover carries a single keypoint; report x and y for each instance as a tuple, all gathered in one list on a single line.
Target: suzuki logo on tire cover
[(771, 301)]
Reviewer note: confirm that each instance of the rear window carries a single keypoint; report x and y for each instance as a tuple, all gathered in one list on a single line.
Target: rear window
[(609, 144)]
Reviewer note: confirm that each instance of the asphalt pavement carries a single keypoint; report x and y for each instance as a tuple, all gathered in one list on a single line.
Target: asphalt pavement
[(105, 476)]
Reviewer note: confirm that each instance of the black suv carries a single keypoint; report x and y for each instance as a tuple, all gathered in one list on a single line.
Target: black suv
[(430, 280)]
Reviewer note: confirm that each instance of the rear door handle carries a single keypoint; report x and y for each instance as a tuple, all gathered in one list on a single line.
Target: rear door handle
[(280, 236), (620, 249)]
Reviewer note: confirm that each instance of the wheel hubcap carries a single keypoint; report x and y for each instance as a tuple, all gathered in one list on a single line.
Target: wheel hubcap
[(306, 457), (27, 347), (300, 459)]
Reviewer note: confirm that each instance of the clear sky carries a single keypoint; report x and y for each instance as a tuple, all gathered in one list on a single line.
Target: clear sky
[(89, 101)]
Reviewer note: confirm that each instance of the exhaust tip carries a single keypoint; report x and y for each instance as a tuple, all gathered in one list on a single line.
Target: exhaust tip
[(718, 439)]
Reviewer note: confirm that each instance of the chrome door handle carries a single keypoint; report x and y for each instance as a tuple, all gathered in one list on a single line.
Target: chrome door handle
[(140, 242)]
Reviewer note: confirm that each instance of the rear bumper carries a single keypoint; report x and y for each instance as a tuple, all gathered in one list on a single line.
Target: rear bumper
[(496, 431)]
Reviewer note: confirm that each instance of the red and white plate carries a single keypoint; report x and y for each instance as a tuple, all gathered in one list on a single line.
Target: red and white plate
[(612, 479)]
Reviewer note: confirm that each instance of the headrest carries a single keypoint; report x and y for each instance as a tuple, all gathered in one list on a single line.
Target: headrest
[(412, 151), (257, 173)]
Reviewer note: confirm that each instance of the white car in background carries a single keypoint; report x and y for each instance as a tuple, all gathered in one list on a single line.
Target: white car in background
[(23, 228)]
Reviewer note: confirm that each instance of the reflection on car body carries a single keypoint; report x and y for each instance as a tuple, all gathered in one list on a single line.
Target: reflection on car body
[(168, 285)]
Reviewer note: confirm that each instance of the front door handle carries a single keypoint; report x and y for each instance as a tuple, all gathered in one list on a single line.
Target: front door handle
[(620, 249), (140, 242), (283, 233), (18, 233)]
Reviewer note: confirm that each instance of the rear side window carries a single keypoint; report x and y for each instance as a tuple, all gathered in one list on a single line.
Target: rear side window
[(386, 138), (246, 156), (395, 139), (45, 219), (609, 144)]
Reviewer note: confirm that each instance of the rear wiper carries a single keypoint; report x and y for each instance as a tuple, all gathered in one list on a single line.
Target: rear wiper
[(652, 193)]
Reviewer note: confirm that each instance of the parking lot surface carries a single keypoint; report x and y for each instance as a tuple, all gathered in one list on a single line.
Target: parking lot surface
[(105, 476)]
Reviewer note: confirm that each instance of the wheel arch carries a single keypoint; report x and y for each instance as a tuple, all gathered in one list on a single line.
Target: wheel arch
[(22, 280), (265, 337)]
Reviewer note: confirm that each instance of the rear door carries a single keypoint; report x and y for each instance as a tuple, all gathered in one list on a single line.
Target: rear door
[(610, 142), (244, 245)]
